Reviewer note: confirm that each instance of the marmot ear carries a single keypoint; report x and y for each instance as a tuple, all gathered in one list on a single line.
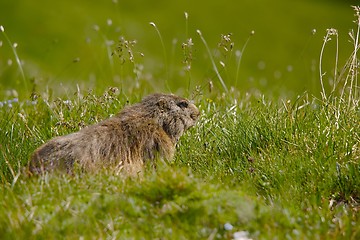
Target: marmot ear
[(162, 103)]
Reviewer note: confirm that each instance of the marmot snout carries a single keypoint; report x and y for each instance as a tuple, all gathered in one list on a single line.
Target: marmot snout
[(139, 133)]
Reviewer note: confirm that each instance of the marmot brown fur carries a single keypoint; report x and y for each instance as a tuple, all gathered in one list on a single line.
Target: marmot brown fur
[(139, 133)]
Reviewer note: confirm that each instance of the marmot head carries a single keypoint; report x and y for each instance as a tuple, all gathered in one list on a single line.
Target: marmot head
[(174, 114)]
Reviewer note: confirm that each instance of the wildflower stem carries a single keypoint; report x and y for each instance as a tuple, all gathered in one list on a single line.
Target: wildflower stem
[(326, 39), (354, 63), (212, 61), (186, 24), (336, 63), (240, 57), (16, 56), (164, 52)]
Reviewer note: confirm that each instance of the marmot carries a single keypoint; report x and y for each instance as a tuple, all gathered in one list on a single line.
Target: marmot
[(139, 133)]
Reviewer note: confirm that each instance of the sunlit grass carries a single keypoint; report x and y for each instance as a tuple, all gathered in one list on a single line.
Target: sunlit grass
[(250, 162)]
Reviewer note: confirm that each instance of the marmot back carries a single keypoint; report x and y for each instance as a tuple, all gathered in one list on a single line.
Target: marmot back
[(139, 133)]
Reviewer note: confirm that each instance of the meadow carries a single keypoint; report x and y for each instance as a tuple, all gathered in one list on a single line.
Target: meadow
[(275, 154)]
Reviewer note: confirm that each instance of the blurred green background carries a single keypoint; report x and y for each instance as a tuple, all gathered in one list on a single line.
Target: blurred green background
[(67, 43)]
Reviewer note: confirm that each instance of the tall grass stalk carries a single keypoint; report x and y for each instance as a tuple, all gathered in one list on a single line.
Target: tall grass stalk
[(164, 53), (187, 50), (13, 48), (347, 80), (213, 62), (239, 55), (351, 67), (329, 32), (336, 63), (186, 15), (354, 62)]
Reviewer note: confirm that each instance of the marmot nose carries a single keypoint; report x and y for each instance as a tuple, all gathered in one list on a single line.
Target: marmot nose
[(195, 114)]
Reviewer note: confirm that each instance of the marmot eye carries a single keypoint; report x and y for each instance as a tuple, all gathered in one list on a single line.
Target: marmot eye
[(183, 104)]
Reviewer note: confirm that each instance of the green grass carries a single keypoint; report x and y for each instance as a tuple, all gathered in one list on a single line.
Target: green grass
[(269, 167), (286, 170)]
